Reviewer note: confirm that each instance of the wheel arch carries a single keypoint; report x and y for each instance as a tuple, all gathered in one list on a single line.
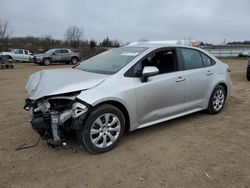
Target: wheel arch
[(10, 57), (46, 58), (121, 107), (224, 86), (221, 83), (75, 57)]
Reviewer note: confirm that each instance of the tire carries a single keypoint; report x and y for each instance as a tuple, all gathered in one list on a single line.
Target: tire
[(74, 60), (47, 61), (248, 76), (217, 100), (102, 138)]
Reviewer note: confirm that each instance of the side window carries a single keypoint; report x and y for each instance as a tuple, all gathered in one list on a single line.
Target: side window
[(20, 51), (26, 52), (164, 60), (57, 51), (191, 58), (207, 61), (64, 51), (213, 62)]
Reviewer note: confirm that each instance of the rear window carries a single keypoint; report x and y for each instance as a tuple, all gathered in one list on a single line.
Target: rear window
[(207, 61), (191, 58)]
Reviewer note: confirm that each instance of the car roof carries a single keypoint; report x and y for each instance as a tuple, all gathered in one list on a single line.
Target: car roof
[(18, 49), (60, 49), (162, 44)]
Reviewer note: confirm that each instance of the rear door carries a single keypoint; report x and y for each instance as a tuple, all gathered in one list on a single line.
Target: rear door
[(199, 78), (65, 55), (26, 55)]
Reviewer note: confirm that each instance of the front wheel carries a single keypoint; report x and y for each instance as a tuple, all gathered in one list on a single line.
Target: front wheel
[(103, 129), (217, 100), (47, 61)]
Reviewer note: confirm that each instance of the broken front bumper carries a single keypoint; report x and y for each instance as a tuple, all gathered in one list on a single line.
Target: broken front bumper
[(52, 121)]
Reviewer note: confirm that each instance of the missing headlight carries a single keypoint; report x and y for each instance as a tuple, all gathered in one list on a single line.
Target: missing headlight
[(78, 109)]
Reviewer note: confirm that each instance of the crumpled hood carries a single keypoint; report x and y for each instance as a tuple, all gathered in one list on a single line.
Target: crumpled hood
[(60, 81)]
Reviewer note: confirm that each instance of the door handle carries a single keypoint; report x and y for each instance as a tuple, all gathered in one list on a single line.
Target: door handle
[(209, 73), (180, 79)]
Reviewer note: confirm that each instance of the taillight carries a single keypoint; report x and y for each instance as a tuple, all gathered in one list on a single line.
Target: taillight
[(228, 69)]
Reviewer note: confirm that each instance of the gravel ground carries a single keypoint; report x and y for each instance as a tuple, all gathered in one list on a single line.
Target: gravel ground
[(198, 150)]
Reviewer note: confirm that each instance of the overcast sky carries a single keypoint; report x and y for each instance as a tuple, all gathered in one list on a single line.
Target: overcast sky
[(128, 21)]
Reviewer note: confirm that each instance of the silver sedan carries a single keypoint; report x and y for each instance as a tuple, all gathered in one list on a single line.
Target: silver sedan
[(126, 88)]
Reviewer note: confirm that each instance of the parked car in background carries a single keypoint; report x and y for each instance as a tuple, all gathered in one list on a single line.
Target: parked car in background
[(19, 55), (248, 70), (244, 54), (57, 55), (126, 88)]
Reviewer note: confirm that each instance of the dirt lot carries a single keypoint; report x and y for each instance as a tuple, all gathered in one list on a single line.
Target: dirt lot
[(198, 150)]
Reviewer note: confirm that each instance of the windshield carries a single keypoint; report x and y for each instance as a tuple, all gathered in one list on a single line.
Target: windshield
[(111, 61), (49, 51), (14, 50)]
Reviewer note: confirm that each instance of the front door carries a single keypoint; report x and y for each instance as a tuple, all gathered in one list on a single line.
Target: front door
[(162, 95), (18, 54), (56, 55)]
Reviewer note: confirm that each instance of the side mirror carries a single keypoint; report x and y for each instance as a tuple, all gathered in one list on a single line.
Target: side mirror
[(53, 53), (149, 71)]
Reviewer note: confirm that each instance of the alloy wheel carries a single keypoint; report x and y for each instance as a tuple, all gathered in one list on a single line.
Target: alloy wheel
[(105, 130), (218, 99)]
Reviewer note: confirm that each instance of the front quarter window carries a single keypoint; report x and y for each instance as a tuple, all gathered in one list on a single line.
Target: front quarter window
[(111, 61)]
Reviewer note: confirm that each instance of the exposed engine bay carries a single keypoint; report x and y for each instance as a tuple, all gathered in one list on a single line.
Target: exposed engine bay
[(53, 117)]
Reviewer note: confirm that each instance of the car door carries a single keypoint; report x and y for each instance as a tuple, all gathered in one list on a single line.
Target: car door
[(56, 55), (162, 95), (65, 55), (26, 55), (199, 78), (18, 54)]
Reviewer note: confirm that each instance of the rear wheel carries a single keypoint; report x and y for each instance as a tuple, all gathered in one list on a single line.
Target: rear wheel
[(103, 129), (47, 61), (74, 60), (217, 100)]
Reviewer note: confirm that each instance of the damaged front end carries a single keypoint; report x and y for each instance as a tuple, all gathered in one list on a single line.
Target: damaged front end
[(56, 116)]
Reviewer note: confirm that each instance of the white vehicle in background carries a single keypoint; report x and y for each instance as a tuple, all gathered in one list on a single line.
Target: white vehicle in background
[(244, 54), (19, 55)]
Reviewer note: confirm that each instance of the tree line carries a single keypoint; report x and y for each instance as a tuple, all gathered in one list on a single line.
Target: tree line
[(73, 39)]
